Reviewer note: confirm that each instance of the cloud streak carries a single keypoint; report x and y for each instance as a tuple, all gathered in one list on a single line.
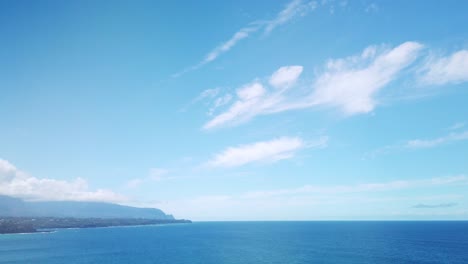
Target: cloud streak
[(349, 84), (359, 188), (431, 206), (293, 9), (204, 95), (451, 69), (415, 144), (456, 126), (154, 175), (430, 143), (263, 151), (226, 46)]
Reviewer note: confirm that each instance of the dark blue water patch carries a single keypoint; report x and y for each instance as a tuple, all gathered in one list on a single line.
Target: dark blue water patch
[(246, 242)]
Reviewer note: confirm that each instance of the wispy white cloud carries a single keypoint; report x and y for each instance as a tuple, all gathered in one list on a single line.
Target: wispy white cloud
[(444, 70), (431, 206), (251, 91), (222, 48), (285, 77), (264, 151), (134, 183), (219, 102), (366, 187), (371, 8), (457, 126), (414, 144), (205, 94), (349, 84), (291, 10), (430, 143), (250, 102), (226, 46), (210, 98), (333, 5), (208, 93), (157, 174), (14, 182), (154, 175)]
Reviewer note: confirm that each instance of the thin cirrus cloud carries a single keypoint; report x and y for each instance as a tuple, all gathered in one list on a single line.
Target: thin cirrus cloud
[(359, 188), (348, 84), (451, 69), (430, 143), (292, 9), (226, 46), (14, 182), (222, 48), (154, 175), (206, 94), (427, 143), (219, 102), (263, 151), (456, 126), (431, 206), (210, 97)]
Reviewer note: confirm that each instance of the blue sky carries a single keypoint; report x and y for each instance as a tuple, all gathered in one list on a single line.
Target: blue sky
[(286, 110)]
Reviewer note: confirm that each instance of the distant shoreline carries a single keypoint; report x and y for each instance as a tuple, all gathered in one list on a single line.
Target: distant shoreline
[(30, 225)]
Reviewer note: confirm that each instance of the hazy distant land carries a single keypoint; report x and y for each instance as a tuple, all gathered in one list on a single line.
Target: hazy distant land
[(18, 216)]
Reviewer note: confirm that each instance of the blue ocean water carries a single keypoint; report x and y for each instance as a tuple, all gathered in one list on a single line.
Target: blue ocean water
[(246, 242)]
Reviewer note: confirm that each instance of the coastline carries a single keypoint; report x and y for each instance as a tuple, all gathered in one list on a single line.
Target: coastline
[(26, 225)]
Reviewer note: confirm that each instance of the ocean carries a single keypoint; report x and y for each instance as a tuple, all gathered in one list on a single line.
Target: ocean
[(246, 242)]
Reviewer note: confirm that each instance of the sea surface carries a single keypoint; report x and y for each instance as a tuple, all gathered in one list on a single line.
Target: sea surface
[(245, 242)]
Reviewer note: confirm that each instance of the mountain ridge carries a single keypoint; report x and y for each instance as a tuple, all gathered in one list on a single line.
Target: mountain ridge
[(16, 207)]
